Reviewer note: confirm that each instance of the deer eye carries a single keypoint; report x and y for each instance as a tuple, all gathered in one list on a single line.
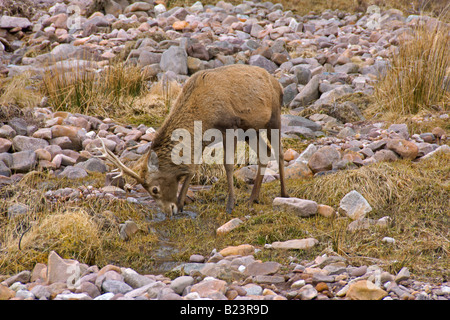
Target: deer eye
[(155, 190)]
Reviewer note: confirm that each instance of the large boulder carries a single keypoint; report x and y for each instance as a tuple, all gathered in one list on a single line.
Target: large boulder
[(308, 94), (23, 143), (263, 62), (23, 161), (354, 205), (174, 59), (7, 22), (323, 159)]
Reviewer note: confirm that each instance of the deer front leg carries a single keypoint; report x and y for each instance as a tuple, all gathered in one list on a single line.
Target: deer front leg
[(228, 163), (183, 191), (229, 168)]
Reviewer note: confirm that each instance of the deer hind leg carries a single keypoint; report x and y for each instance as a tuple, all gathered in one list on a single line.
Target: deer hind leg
[(283, 192), (281, 168), (261, 169), (229, 169)]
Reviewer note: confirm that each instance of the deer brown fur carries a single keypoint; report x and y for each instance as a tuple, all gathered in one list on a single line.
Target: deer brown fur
[(231, 97)]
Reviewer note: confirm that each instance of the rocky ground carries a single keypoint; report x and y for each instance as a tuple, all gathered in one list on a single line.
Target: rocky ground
[(230, 274), (318, 59)]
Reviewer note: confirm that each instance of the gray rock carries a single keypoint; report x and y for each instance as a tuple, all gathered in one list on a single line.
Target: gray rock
[(7, 131), (22, 277), (17, 209), (308, 94), (93, 165), (198, 50), (307, 292), (289, 93), (134, 279), (302, 132), (89, 288), (346, 132), (127, 229), (377, 145), (6, 158), (4, 170), (63, 142), (402, 275), (71, 172), (323, 159), (301, 207), (154, 289), (174, 59), (269, 279), (25, 294), (441, 150), (61, 52), (385, 155), (180, 283), (198, 258), (147, 58), (319, 277), (302, 73), (72, 296), (262, 268), (332, 95), (115, 286), (263, 62), (23, 143), (292, 120), (7, 22), (354, 205), (139, 291), (306, 154), (98, 21), (401, 129), (23, 161), (41, 292), (253, 289), (347, 68), (105, 296), (358, 271), (335, 269), (19, 125)]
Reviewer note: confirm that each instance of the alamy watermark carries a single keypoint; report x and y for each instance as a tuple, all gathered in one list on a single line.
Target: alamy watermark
[(189, 149)]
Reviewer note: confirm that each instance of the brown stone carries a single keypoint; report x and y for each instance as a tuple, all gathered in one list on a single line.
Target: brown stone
[(326, 211), (180, 25), (262, 268), (365, 290), (406, 149), (209, 287), (321, 286), (6, 293), (241, 250)]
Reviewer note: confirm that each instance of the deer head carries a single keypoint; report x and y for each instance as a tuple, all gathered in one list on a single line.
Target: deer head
[(162, 186)]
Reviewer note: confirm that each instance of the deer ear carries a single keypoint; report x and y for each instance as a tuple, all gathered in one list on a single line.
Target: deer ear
[(152, 162)]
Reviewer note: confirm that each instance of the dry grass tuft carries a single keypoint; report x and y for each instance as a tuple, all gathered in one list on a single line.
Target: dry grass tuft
[(119, 91), (73, 234), (152, 107), (19, 91), (418, 78), (83, 90)]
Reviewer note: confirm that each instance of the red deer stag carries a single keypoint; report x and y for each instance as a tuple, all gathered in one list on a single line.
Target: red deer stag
[(231, 97)]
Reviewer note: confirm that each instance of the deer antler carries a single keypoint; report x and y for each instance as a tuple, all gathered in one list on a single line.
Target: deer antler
[(111, 157)]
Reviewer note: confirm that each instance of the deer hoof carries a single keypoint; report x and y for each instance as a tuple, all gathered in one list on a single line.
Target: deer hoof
[(229, 208)]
